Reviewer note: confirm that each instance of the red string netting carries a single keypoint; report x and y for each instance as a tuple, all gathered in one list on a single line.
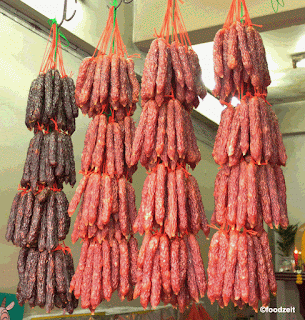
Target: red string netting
[(52, 57), (63, 248), (173, 25), (111, 39), (235, 13)]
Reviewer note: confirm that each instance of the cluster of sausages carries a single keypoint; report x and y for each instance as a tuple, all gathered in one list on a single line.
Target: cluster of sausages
[(165, 133), (49, 161), (52, 97), (240, 269), (44, 279), (108, 204), (107, 90), (172, 70), (103, 268), (247, 194), (171, 199), (38, 221), (251, 128), (170, 267), (169, 270), (108, 145), (240, 63), (107, 82), (39, 217)]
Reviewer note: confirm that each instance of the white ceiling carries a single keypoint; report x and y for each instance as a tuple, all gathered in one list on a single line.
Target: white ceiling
[(197, 14)]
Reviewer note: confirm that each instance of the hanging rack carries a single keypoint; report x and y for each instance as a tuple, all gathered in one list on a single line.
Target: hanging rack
[(120, 2), (64, 17)]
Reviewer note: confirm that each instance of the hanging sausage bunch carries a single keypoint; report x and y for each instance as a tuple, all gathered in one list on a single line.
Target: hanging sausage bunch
[(39, 217), (240, 64), (240, 269), (107, 83), (170, 267), (44, 279), (107, 90), (250, 185)]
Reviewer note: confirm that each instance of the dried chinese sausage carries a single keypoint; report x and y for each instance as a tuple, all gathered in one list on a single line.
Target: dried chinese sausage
[(170, 226), (242, 196), (151, 127), (233, 191), (274, 197), (105, 78), (252, 194), (107, 288), (243, 271), (175, 270), (243, 46), (218, 53), (262, 276), (115, 79), (133, 81), (264, 196), (191, 277), (221, 265), (87, 86), (198, 264), (268, 260), (11, 220), (96, 289), (124, 268), (156, 284), (212, 267), (182, 200), (255, 130), (150, 72), (147, 270), (164, 246), (281, 189)]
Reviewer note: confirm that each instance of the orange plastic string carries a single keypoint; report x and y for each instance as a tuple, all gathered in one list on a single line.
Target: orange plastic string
[(55, 123), (24, 190), (46, 52), (55, 188)]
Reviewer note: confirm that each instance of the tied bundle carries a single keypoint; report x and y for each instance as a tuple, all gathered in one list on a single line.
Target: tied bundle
[(107, 90), (172, 200), (39, 221), (240, 269), (169, 270), (49, 161), (247, 194), (39, 217), (44, 278), (51, 102), (250, 129), (165, 143), (239, 56), (104, 267), (108, 83)]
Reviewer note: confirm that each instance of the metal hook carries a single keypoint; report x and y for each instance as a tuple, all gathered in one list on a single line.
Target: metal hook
[(121, 1), (64, 17)]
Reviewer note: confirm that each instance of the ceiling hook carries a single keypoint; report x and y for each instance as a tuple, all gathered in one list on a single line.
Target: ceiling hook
[(64, 17), (122, 1)]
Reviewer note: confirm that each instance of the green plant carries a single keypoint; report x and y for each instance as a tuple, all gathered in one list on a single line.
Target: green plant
[(287, 239)]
